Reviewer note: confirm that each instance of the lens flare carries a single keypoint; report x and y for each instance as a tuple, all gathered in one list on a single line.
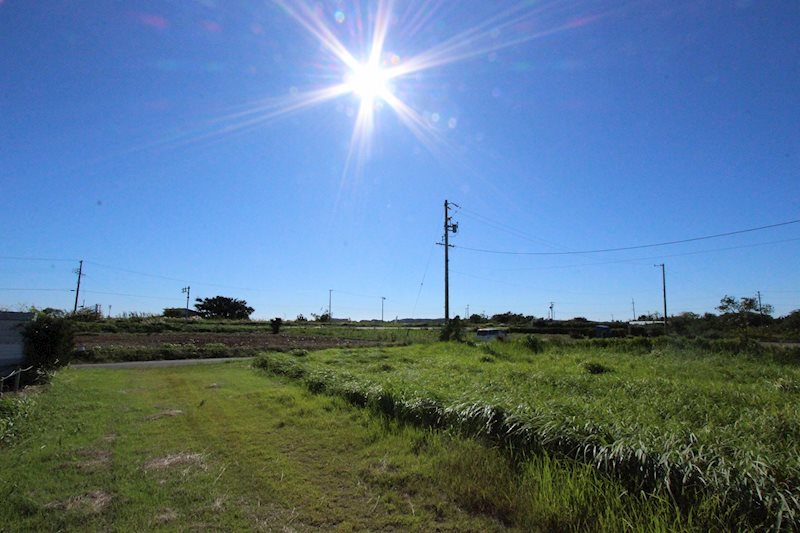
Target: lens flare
[(368, 82), (381, 79)]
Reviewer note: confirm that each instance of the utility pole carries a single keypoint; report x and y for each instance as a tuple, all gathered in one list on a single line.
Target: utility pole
[(330, 299), (552, 311), (664, 289), (633, 304), (466, 316), (186, 290), (383, 299), (760, 310), (79, 272), (449, 226)]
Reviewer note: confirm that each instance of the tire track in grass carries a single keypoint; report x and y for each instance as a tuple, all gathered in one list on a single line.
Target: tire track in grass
[(246, 454)]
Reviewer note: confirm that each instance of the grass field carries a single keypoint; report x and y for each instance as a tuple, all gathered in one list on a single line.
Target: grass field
[(716, 433), (227, 447)]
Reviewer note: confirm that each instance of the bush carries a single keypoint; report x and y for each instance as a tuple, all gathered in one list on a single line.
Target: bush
[(48, 342), (453, 330), (275, 324), (13, 410), (534, 344)]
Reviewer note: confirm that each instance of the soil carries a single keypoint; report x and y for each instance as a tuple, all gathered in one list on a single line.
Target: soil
[(257, 341)]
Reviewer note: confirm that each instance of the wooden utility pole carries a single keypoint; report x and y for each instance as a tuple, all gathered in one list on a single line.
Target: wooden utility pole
[(760, 310), (664, 289), (78, 288)]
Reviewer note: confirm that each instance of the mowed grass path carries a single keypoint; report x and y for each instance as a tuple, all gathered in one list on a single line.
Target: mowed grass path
[(221, 446)]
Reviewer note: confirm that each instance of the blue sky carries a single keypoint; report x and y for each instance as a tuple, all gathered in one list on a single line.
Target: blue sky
[(172, 143)]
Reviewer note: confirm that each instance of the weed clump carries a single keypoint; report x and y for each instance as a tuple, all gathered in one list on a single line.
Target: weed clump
[(534, 344), (596, 368)]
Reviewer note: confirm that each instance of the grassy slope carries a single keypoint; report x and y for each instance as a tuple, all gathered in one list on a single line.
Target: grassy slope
[(723, 415), (163, 449)]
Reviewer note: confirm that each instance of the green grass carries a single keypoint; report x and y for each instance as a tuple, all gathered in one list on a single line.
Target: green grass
[(717, 433), (166, 351), (383, 334), (225, 447)]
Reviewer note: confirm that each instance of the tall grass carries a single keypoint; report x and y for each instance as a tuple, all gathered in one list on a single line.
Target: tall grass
[(690, 426), (219, 447)]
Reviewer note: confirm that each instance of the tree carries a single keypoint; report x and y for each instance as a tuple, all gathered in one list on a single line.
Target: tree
[(223, 307), (48, 343), (743, 310), (276, 323)]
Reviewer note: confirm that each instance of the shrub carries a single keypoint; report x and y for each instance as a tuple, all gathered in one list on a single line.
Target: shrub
[(13, 410), (596, 368), (453, 330), (48, 342), (534, 344), (275, 324)]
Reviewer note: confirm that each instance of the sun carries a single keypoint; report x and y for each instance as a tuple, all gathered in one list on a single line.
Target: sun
[(369, 82)]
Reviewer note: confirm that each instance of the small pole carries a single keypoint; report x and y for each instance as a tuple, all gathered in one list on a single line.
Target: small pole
[(330, 300), (16, 379), (383, 299), (187, 290)]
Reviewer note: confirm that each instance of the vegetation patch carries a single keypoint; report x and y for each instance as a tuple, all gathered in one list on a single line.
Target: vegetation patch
[(164, 413), (283, 459), (15, 409), (176, 459), (596, 368), (93, 502), (697, 428)]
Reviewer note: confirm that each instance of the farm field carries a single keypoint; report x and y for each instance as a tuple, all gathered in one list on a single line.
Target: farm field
[(174, 339), (229, 447), (716, 433)]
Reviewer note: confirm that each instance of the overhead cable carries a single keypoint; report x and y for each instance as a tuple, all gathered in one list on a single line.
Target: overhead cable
[(637, 247)]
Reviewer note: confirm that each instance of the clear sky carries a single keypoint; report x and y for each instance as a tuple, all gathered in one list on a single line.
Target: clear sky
[(275, 150)]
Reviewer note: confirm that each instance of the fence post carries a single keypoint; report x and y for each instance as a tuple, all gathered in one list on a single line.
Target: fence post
[(16, 379)]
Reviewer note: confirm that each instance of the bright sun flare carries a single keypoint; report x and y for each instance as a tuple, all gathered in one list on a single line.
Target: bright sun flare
[(368, 81)]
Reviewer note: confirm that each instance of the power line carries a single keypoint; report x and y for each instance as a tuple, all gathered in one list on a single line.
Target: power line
[(18, 258), (168, 278), (109, 267), (39, 290), (422, 283), (132, 295), (507, 228), (637, 247), (634, 260)]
